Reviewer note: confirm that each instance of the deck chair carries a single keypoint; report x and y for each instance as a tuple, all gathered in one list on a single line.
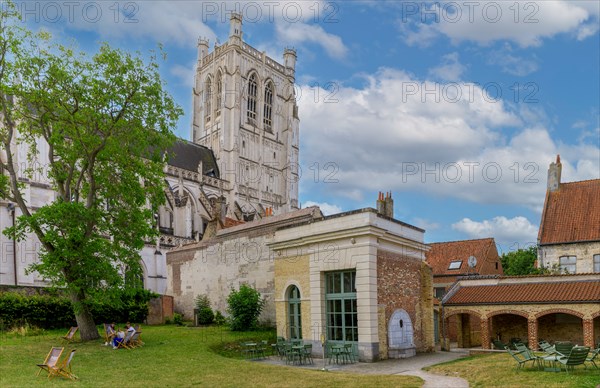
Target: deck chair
[(499, 345), (109, 333), (523, 355), (51, 360), (135, 341), (592, 356), (563, 348), (138, 331), (126, 343), (577, 356), (547, 348), (64, 369), (71, 334)]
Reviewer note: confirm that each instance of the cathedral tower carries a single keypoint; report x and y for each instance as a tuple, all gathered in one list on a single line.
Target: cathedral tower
[(245, 111)]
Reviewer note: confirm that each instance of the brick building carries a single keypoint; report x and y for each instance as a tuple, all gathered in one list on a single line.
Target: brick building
[(357, 277), (550, 307), (569, 234), (453, 260)]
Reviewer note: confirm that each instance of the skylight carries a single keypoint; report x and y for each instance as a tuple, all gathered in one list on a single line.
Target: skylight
[(455, 264)]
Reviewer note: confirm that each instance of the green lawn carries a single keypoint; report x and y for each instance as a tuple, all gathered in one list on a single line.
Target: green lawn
[(172, 357), (498, 370)]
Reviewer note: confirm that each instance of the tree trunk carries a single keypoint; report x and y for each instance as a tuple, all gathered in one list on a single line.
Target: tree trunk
[(84, 318)]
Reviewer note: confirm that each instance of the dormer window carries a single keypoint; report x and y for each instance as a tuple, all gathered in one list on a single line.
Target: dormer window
[(456, 264)]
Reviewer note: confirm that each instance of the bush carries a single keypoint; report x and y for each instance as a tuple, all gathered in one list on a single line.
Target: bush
[(220, 320), (51, 312), (205, 316), (178, 319), (205, 312), (244, 308)]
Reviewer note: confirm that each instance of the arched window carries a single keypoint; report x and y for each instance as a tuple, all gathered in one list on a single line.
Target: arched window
[(252, 93), (207, 99), (219, 93), (295, 316), (268, 108)]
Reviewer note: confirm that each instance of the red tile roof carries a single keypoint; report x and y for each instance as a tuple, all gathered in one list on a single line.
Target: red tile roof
[(442, 254), (229, 222), (547, 292), (571, 213)]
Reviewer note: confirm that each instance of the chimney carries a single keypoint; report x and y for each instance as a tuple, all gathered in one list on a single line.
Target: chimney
[(389, 205), (554, 172), (380, 204)]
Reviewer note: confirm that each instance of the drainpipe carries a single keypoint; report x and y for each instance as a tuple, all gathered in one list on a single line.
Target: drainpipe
[(11, 209)]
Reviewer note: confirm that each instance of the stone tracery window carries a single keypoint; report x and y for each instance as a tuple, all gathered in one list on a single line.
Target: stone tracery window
[(219, 98), (207, 99), (268, 107), (252, 94)]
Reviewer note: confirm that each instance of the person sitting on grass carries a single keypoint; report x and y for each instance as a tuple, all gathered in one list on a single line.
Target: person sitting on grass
[(120, 337), (111, 332)]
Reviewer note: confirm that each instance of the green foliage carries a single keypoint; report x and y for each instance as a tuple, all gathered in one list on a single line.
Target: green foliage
[(107, 122), (245, 306), (50, 312), (202, 301), (205, 313), (520, 262), (178, 319), (220, 319), (206, 316)]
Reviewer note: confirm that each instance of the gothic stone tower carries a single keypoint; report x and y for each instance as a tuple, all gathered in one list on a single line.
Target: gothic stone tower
[(245, 111)]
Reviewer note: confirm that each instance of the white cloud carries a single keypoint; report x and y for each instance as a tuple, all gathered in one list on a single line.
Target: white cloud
[(325, 207), (185, 74), (516, 231), (526, 23), (512, 64), (450, 69), (391, 134), (299, 33)]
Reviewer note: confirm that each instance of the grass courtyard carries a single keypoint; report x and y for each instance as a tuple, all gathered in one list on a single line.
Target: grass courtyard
[(180, 356)]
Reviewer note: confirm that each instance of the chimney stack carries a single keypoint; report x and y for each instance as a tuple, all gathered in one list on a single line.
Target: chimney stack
[(389, 205), (554, 172), (380, 204)]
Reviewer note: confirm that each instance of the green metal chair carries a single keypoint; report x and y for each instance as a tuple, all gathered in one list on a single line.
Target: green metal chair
[(523, 355), (577, 356), (592, 356)]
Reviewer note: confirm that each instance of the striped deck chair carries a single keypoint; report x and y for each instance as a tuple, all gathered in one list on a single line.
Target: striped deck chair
[(125, 344), (64, 369), (71, 334), (51, 360)]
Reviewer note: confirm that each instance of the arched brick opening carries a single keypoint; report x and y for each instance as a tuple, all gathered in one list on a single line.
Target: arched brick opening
[(560, 325), (463, 327), (509, 326)]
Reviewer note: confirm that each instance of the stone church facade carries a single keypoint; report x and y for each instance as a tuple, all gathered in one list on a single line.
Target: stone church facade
[(241, 164), (245, 111)]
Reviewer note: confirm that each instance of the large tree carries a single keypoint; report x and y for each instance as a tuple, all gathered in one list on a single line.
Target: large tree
[(105, 122)]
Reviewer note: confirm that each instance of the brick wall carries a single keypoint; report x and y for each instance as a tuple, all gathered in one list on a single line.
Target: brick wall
[(406, 283), (550, 254)]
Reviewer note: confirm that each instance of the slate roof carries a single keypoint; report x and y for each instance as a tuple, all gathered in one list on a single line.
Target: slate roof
[(558, 291), (187, 155), (442, 254), (571, 213)]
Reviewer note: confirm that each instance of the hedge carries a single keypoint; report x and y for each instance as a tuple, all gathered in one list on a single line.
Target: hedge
[(50, 312)]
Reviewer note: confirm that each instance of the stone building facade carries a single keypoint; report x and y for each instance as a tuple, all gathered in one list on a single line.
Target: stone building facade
[(242, 160), (357, 277), (245, 111), (569, 234)]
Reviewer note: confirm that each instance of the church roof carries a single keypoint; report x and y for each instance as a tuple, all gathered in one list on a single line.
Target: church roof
[(571, 213), (442, 255), (187, 155)]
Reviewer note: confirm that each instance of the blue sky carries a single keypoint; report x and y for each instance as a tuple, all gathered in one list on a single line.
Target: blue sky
[(456, 107)]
